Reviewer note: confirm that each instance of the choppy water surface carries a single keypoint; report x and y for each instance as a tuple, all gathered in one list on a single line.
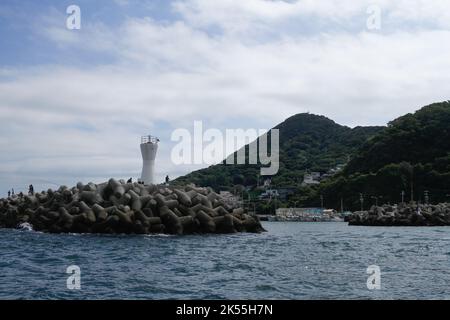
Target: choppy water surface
[(290, 261)]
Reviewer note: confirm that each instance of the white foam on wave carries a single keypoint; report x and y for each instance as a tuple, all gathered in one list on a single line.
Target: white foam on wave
[(158, 235), (25, 226)]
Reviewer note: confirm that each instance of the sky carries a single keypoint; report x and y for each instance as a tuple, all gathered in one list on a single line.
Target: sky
[(74, 103)]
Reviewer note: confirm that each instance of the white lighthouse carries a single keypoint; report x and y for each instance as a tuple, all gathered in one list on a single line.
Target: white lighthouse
[(149, 146)]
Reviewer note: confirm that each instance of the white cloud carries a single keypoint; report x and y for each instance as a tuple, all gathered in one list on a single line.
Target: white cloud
[(122, 2), (232, 14), (244, 17), (84, 122)]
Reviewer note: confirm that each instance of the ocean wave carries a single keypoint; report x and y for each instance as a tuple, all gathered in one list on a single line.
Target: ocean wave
[(25, 226)]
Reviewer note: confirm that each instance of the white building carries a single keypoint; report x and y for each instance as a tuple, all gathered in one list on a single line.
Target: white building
[(230, 199), (311, 178), (269, 193)]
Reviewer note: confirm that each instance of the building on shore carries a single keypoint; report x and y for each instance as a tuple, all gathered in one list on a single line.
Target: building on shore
[(282, 193), (311, 178), (269, 194), (231, 200), (307, 215)]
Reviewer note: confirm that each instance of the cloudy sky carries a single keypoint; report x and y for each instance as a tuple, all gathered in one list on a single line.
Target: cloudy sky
[(74, 103)]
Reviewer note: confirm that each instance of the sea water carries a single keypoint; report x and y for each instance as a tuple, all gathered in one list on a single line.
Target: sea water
[(290, 261)]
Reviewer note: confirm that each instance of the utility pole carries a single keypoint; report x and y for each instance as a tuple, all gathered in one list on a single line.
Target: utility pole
[(275, 203), (321, 201), (342, 205), (361, 199), (376, 200), (426, 196), (403, 196)]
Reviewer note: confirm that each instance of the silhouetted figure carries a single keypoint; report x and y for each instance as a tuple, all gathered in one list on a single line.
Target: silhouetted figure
[(12, 191), (167, 179), (31, 190), (130, 180), (9, 193)]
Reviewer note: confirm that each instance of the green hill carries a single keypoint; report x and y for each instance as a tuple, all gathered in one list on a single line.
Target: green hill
[(307, 142), (412, 155)]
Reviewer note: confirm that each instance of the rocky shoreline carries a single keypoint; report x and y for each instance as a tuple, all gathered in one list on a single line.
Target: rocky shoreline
[(116, 207), (402, 215)]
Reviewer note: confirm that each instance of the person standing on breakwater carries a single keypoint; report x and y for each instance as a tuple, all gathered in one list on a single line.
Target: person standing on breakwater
[(12, 191), (9, 193), (130, 180), (31, 190), (167, 180)]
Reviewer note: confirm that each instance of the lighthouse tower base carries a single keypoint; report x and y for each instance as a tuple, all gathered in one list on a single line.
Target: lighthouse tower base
[(149, 147)]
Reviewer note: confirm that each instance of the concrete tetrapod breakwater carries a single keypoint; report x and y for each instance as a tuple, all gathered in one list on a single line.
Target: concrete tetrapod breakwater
[(116, 207), (403, 215)]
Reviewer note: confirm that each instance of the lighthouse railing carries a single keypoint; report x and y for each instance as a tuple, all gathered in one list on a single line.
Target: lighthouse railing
[(149, 139)]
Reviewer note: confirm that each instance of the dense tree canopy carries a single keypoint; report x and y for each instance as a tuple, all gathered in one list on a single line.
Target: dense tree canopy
[(409, 157), (307, 142), (412, 155)]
